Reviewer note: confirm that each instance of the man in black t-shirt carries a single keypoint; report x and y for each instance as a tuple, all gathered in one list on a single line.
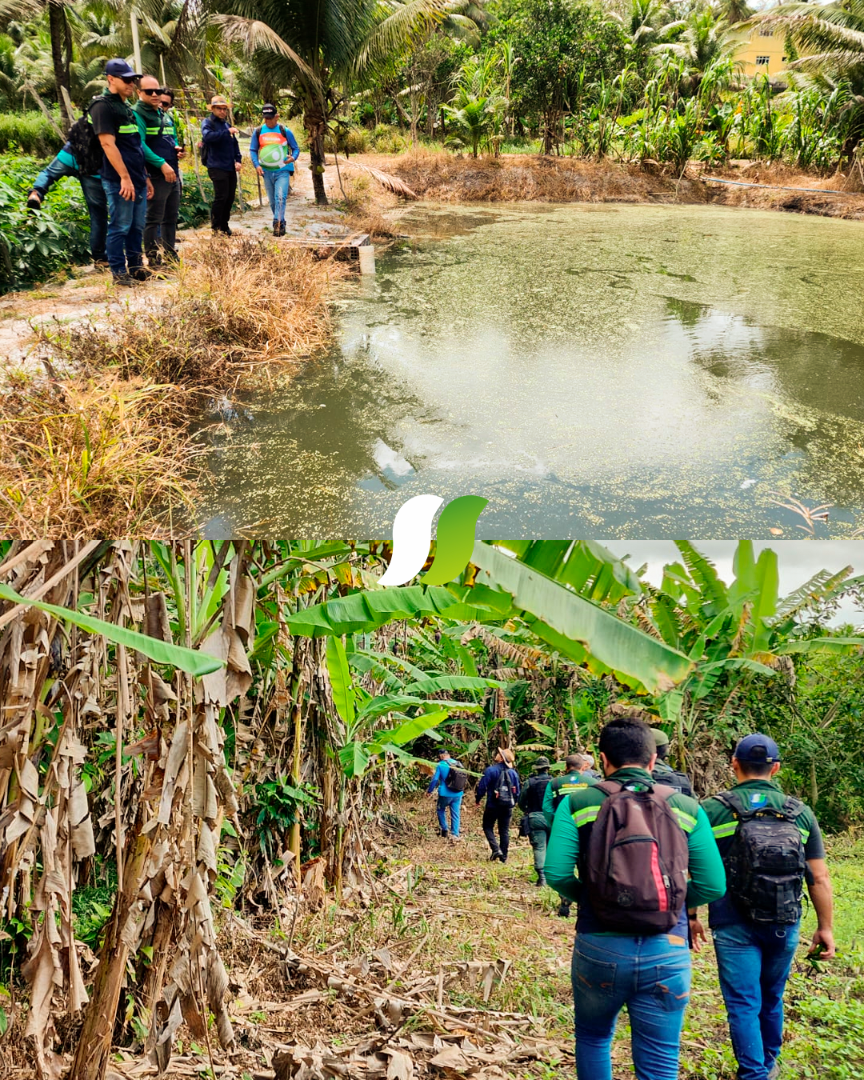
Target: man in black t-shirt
[(124, 174)]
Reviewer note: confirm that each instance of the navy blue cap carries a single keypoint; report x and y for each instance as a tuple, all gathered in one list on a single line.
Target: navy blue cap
[(268, 110), (442, 750), (121, 69), (757, 750)]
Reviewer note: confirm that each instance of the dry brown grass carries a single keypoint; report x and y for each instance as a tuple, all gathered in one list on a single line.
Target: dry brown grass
[(238, 306), (90, 453), (365, 203)]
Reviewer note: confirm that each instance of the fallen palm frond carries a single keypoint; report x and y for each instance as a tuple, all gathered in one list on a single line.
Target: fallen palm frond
[(90, 452), (385, 179)]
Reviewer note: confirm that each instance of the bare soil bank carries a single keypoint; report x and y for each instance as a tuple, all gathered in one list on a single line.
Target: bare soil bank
[(525, 178)]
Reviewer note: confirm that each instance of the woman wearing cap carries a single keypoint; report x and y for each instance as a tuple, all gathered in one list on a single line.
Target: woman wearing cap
[(273, 151), (531, 805), (222, 159)]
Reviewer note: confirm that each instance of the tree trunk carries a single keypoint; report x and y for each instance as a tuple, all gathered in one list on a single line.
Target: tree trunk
[(94, 1045), (59, 55), (315, 128)]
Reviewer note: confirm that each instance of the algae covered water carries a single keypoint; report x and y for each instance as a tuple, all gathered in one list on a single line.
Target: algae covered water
[(614, 370)]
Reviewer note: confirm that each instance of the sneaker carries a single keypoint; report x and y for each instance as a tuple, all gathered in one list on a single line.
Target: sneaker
[(34, 200), (774, 1071), (124, 279), (454, 839)]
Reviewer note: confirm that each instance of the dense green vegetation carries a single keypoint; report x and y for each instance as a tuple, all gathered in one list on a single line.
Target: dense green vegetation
[(276, 706), (652, 81)]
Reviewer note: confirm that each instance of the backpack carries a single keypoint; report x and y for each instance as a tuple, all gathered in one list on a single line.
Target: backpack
[(85, 144), (456, 779), (674, 779), (203, 153), (636, 865), (504, 793), (765, 864)]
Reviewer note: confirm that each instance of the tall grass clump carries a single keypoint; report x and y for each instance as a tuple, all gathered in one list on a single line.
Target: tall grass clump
[(29, 132), (237, 306), (91, 453)]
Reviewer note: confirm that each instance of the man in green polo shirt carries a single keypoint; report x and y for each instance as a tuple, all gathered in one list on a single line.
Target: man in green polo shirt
[(646, 970), (770, 843)]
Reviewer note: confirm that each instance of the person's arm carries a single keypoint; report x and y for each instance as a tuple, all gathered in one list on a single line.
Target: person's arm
[(109, 146), (480, 790), (253, 152), (210, 132), (562, 854), (436, 779), (819, 888), (292, 142), (523, 798), (517, 786), (707, 873)]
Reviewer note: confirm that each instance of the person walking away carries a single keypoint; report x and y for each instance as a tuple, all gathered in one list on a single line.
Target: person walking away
[(273, 151), (160, 153), (500, 785), (124, 175), (531, 804), (222, 158), (632, 855), (663, 772), (578, 775), (450, 781), (770, 844), (77, 159)]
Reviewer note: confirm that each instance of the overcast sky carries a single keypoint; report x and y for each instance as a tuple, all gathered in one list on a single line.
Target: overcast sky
[(798, 561)]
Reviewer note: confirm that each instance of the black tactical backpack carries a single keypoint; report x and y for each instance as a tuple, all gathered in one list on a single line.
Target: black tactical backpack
[(85, 144), (456, 779), (765, 864), (674, 779)]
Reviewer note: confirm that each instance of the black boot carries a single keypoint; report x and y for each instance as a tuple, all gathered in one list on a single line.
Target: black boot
[(541, 879), (496, 854), (564, 909)]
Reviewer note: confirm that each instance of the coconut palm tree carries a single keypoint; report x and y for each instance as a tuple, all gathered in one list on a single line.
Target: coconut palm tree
[(704, 41), (318, 46), (649, 23), (59, 34)]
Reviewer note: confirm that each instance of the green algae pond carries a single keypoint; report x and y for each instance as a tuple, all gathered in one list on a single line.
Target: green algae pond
[(632, 371)]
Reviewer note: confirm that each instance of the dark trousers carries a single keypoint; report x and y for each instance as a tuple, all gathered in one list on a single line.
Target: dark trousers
[(224, 190), (500, 816), (160, 228)]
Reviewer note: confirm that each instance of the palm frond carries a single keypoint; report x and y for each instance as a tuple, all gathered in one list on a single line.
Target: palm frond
[(253, 35), (386, 180)]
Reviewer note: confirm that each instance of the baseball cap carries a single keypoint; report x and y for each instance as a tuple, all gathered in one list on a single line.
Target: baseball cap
[(442, 750), (218, 100), (660, 737), (268, 110), (757, 750), (121, 69)]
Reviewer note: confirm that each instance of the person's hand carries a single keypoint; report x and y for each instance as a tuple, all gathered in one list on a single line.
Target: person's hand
[(127, 189), (697, 935), (237, 166), (259, 170), (151, 191), (234, 131), (825, 938), (181, 153), (168, 173)]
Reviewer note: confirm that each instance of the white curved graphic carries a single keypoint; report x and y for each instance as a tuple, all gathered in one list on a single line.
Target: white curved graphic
[(412, 536)]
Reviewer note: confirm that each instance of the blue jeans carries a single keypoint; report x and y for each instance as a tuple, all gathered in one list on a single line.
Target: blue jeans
[(125, 227), (278, 184), (754, 964), (455, 804), (94, 196), (651, 976)]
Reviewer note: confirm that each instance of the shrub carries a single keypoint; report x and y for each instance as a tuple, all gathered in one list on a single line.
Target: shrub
[(387, 140), (195, 210), (35, 245), (29, 132)]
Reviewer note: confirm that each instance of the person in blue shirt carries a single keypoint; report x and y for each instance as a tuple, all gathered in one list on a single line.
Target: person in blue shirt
[(447, 798), (219, 141), (273, 151), (66, 164), (500, 785)]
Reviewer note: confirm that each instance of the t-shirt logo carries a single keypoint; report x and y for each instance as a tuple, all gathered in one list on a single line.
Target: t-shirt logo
[(272, 149), (757, 798)]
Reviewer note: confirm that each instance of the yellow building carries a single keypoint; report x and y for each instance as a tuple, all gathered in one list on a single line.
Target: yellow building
[(762, 51)]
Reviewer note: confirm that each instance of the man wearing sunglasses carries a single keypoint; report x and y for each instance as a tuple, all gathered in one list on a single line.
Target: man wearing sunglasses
[(222, 157), (124, 173), (160, 154)]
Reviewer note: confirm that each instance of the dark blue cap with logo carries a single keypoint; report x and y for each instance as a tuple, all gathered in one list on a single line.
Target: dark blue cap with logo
[(121, 69), (757, 750)]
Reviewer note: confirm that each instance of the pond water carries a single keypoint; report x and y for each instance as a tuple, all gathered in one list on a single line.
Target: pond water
[(615, 370)]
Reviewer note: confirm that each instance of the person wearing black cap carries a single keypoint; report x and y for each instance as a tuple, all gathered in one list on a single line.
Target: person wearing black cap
[(273, 151), (770, 844), (663, 772), (531, 805), (124, 173), (448, 772)]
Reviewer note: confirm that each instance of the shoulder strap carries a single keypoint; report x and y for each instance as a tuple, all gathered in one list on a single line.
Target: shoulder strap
[(793, 808), (733, 801), (665, 791), (284, 133), (610, 787)]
